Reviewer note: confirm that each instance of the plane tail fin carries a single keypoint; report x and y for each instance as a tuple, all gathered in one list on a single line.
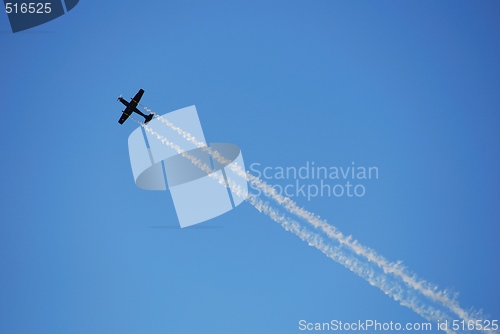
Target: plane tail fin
[(148, 118)]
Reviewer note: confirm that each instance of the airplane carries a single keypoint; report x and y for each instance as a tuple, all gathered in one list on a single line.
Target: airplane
[(132, 107)]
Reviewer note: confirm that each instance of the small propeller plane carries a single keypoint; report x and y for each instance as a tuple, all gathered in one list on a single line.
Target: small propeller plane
[(132, 107)]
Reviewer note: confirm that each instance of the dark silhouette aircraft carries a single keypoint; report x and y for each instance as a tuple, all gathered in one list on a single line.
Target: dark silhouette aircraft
[(132, 107)]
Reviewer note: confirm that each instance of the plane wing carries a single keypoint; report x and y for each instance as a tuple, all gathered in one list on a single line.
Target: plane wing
[(123, 118), (137, 97)]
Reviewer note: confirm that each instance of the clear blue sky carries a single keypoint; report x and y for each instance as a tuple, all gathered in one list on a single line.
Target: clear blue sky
[(410, 87)]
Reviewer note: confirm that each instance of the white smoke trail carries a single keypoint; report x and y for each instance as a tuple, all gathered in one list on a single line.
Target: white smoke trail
[(429, 290), (397, 269), (362, 269), (365, 271)]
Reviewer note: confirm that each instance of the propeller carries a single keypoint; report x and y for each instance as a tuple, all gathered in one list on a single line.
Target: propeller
[(119, 97)]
